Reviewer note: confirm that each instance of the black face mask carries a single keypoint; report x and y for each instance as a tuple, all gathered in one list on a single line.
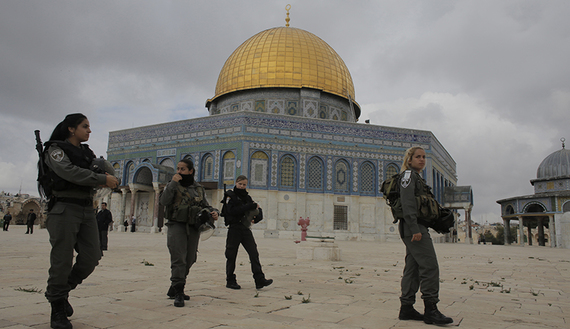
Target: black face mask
[(187, 180), (242, 193)]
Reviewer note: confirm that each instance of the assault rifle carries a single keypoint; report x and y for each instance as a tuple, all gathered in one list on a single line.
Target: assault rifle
[(41, 172)]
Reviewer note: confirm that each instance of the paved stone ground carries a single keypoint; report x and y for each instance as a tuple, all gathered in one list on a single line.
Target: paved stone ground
[(482, 286)]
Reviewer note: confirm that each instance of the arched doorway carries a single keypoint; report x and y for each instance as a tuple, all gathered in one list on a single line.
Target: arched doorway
[(534, 221)]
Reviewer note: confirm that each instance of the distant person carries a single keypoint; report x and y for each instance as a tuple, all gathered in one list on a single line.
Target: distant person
[(421, 270), (71, 220), (126, 224), (454, 236), (7, 219), (104, 220), (133, 224), (239, 216), (30, 222), (184, 199)]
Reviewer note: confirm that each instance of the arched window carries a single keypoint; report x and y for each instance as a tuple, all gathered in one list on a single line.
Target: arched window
[(341, 177), (258, 173), (315, 174), (208, 167), (287, 172), (566, 207), (229, 167), (143, 177), (167, 163), (391, 170), (509, 210), (367, 178)]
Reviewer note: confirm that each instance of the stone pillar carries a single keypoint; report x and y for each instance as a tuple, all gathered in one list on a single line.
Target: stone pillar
[(507, 231), (552, 231), (469, 237), (521, 231), (120, 227), (154, 227), (540, 232), (133, 203), (529, 236)]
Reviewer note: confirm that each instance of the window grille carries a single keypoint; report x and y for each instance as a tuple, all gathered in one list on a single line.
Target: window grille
[(287, 172), (315, 173), (367, 181), (340, 218)]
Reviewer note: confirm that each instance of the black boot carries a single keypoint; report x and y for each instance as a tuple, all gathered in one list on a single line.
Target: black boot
[(58, 318), (233, 285), (179, 295), (433, 316), (68, 309), (172, 292), (408, 312), (263, 283)]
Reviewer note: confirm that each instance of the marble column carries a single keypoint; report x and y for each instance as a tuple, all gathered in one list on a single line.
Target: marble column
[(468, 222), (540, 232), (122, 217), (133, 203), (154, 227), (529, 235), (552, 231), (507, 231), (521, 231)]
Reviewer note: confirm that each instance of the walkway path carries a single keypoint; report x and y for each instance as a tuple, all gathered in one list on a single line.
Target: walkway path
[(482, 286)]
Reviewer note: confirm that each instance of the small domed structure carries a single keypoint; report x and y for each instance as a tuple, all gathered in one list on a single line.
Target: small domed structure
[(555, 165), (548, 207)]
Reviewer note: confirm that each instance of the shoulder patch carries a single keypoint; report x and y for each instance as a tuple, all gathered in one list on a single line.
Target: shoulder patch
[(57, 155), (406, 179)]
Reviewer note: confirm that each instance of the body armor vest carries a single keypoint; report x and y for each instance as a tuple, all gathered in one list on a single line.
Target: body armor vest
[(79, 156)]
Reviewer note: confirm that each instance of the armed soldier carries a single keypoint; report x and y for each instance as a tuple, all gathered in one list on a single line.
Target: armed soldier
[(70, 185), (421, 270), (185, 201)]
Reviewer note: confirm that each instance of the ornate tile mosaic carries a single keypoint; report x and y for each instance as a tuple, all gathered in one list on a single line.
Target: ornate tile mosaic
[(276, 106), (260, 106), (310, 108)]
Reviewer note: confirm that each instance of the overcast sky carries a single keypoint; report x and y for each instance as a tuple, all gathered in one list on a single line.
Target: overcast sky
[(491, 79)]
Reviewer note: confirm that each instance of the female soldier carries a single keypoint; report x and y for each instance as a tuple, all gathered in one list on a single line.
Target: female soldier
[(183, 198), (71, 219), (421, 269), (238, 203)]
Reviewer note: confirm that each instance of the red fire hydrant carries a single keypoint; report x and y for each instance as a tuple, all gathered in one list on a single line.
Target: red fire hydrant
[(304, 223)]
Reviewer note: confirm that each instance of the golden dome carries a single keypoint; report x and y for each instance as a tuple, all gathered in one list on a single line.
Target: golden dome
[(285, 57)]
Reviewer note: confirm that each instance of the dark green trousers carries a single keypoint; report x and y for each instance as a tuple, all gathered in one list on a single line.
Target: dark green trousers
[(421, 271), (71, 227), (182, 244)]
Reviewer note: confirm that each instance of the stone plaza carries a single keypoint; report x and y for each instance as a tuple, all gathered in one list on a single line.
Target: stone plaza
[(482, 286)]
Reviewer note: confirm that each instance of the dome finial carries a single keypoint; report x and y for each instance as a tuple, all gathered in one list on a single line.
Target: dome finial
[(288, 7), (563, 140)]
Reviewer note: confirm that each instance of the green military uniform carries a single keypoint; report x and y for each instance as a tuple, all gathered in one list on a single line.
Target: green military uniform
[(421, 270), (71, 225), (182, 238)]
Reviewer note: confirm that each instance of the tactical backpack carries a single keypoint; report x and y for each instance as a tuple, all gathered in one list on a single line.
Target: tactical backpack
[(391, 190), (430, 212)]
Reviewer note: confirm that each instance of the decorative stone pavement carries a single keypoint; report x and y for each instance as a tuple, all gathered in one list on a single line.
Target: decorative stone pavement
[(482, 286)]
